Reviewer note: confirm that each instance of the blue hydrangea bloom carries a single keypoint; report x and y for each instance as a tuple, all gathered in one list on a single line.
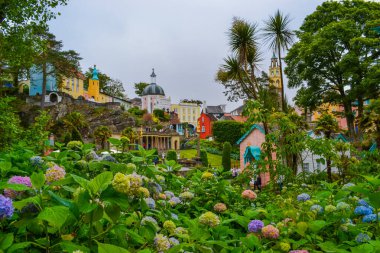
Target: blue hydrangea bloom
[(36, 160), (255, 226), (109, 158), (169, 194), (150, 203), (362, 202), (348, 185), (362, 210), (173, 241), (369, 218), (303, 197), (317, 208), (360, 238), (6, 207), (174, 216)]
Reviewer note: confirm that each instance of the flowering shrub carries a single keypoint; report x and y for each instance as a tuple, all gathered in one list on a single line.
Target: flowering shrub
[(248, 194), (186, 196), (17, 180), (162, 243), (54, 173), (207, 175), (209, 219), (303, 197), (255, 226), (6, 207), (270, 232), (220, 207)]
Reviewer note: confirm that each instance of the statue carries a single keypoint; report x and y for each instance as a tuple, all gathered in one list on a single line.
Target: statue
[(95, 74)]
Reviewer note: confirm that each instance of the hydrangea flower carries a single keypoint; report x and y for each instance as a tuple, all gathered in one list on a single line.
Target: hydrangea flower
[(362, 202), (186, 195), (299, 251), (36, 160), (144, 192), (6, 207), (174, 201), (362, 237), (155, 187), (135, 182), (150, 203), (248, 194), (169, 194), (131, 166), (284, 246), (207, 175), (173, 241), (169, 225), (343, 206), (362, 210), (161, 243), (369, 218), (317, 208), (121, 183), (180, 231), (174, 216), (17, 180), (255, 226), (148, 219), (54, 173), (330, 209), (220, 207), (270, 232), (162, 196), (209, 219), (109, 158), (303, 197)]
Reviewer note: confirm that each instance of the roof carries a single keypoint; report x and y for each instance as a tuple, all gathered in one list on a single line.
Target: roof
[(153, 89), (373, 147), (255, 126), (336, 136), (214, 109), (228, 116), (251, 152), (239, 110)]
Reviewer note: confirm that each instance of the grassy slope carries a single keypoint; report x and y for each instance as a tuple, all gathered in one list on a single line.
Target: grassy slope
[(214, 160)]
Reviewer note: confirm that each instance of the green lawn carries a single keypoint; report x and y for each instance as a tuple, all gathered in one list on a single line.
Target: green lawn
[(214, 160)]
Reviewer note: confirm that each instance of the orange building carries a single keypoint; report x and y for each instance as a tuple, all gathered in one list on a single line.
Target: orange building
[(204, 127)]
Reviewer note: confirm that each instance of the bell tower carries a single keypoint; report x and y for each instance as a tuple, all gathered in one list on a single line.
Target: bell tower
[(275, 75), (93, 85)]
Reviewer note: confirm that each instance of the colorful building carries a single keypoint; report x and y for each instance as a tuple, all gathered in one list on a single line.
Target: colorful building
[(275, 76), (250, 149), (204, 126), (73, 86), (153, 97), (187, 113)]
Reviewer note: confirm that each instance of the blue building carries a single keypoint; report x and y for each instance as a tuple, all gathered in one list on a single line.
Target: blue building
[(36, 81)]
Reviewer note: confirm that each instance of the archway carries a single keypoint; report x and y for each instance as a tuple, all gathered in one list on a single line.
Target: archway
[(53, 97), (175, 145)]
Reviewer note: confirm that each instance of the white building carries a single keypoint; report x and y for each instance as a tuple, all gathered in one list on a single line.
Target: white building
[(153, 97)]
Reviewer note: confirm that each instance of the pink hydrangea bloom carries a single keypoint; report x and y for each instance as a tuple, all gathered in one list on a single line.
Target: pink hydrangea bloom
[(248, 194), (17, 180), (299, 251), (54, 173), (270, 232)]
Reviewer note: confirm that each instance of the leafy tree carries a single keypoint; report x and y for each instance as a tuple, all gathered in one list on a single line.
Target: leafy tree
[(131, 134), (39, 131), (371, 121), (227, 131), (54, 62), (10, 129), (14, 13), (226, 157), (327, 125), (172, 155), (161, 115), (102, 134), (279, 37), (203, 158), (139, 88), (335, 57)]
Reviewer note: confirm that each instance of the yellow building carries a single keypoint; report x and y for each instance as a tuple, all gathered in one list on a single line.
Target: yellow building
[(74, 86), (187, 112)]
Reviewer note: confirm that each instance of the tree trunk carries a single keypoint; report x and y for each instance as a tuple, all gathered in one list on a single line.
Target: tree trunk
[(282, 80), (328, 165), (44, 81), (269, 152), (350, 118)]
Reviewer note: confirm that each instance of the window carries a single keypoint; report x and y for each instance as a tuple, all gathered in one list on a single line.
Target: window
[(77, 85), (72, 84), (203, 129), (67, 84), (306, 167), (203, 120), (318, 166)]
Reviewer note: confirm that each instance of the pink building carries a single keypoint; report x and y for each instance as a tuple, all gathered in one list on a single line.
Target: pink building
[(250, 149)]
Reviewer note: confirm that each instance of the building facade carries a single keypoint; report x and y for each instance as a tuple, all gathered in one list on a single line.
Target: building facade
[(275, 76), (204, 126), (187, 113), (153, 97)]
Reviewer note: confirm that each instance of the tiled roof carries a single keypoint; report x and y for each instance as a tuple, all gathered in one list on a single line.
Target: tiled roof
[(255, 126), (214, 109)]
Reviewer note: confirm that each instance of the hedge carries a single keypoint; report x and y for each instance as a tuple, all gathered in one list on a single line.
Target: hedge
[(227, 131)]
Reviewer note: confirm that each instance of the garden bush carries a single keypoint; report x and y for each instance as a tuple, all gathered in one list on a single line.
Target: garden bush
[(227, 131), (203, 157), (172, 155), (226, 157)]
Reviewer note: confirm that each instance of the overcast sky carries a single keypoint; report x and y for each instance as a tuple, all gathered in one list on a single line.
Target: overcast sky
[(185, 41)]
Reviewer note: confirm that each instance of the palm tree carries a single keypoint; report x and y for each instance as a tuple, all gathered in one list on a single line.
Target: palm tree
[(327, 125), (102, 134), (279, 37), (130, 134)]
